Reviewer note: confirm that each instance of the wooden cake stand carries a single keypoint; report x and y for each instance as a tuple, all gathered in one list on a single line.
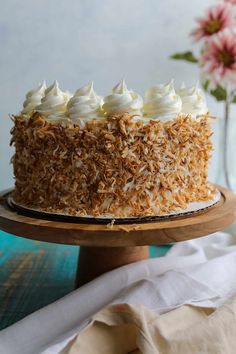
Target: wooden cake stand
[(106, 247)]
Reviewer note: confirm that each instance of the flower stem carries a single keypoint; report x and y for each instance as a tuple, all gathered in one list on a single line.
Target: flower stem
[(226, 138)]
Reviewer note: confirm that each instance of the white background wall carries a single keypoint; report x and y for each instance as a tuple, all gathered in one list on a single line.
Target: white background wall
[(76, 41)]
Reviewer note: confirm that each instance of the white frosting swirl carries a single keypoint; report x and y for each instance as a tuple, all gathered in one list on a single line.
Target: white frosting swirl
[(161, 102), (85, 104), (33, 98), (123, 100), (193, 100), (53, 104)]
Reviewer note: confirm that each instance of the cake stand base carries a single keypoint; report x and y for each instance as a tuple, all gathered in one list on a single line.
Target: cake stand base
[(94, 261), (106, 247)]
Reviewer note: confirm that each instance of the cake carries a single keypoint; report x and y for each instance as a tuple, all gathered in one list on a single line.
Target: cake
[(118, 155)]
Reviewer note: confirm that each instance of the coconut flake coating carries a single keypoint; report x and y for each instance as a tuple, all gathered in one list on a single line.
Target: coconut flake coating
[(116, 166)]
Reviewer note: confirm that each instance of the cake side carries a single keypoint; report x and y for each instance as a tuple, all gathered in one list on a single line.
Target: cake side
[(118, 165)]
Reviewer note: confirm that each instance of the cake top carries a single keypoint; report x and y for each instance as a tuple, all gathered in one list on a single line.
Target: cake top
[(161, 102)]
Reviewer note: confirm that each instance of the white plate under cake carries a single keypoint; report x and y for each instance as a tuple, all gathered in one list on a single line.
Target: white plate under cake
[(193, 208)]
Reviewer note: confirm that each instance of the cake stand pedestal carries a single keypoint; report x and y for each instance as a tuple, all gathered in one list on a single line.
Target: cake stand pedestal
[(106, 247)]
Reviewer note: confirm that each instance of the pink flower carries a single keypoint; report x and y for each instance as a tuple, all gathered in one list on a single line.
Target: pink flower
[(231, 1), (217, 18), (218, 60)]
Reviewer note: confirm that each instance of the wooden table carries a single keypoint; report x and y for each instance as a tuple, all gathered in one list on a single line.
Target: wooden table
[(34, 274)]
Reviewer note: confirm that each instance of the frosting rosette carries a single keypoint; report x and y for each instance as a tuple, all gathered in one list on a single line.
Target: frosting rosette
[(33, 98), (193, 100), (123, 100), (161, 102), (53, 104), (85, 105)]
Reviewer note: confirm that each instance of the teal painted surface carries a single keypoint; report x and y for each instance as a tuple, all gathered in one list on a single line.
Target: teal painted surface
[(158, 251), (34, 274)]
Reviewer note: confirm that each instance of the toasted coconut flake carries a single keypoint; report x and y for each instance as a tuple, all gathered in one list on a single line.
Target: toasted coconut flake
[(111, 224), (117, 166)]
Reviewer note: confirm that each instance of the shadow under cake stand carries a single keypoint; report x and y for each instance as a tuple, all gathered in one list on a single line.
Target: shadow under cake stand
[(104, 247)]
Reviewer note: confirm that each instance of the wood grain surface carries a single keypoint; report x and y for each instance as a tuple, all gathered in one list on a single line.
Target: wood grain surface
[(94, 261), (169, 230), (35, 274)]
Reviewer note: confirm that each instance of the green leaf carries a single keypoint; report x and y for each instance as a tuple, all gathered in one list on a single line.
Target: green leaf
[(219, 93), (234, 99), (205, 85), (187, 56)]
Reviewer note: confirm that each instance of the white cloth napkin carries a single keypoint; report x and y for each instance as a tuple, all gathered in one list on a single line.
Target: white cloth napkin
[(200, 272)]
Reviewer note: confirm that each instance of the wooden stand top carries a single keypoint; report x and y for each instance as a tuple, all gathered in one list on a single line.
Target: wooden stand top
[(172, 229)]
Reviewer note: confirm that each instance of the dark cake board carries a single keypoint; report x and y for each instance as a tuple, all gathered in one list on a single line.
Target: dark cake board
[(105, 246), (56, 216)]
